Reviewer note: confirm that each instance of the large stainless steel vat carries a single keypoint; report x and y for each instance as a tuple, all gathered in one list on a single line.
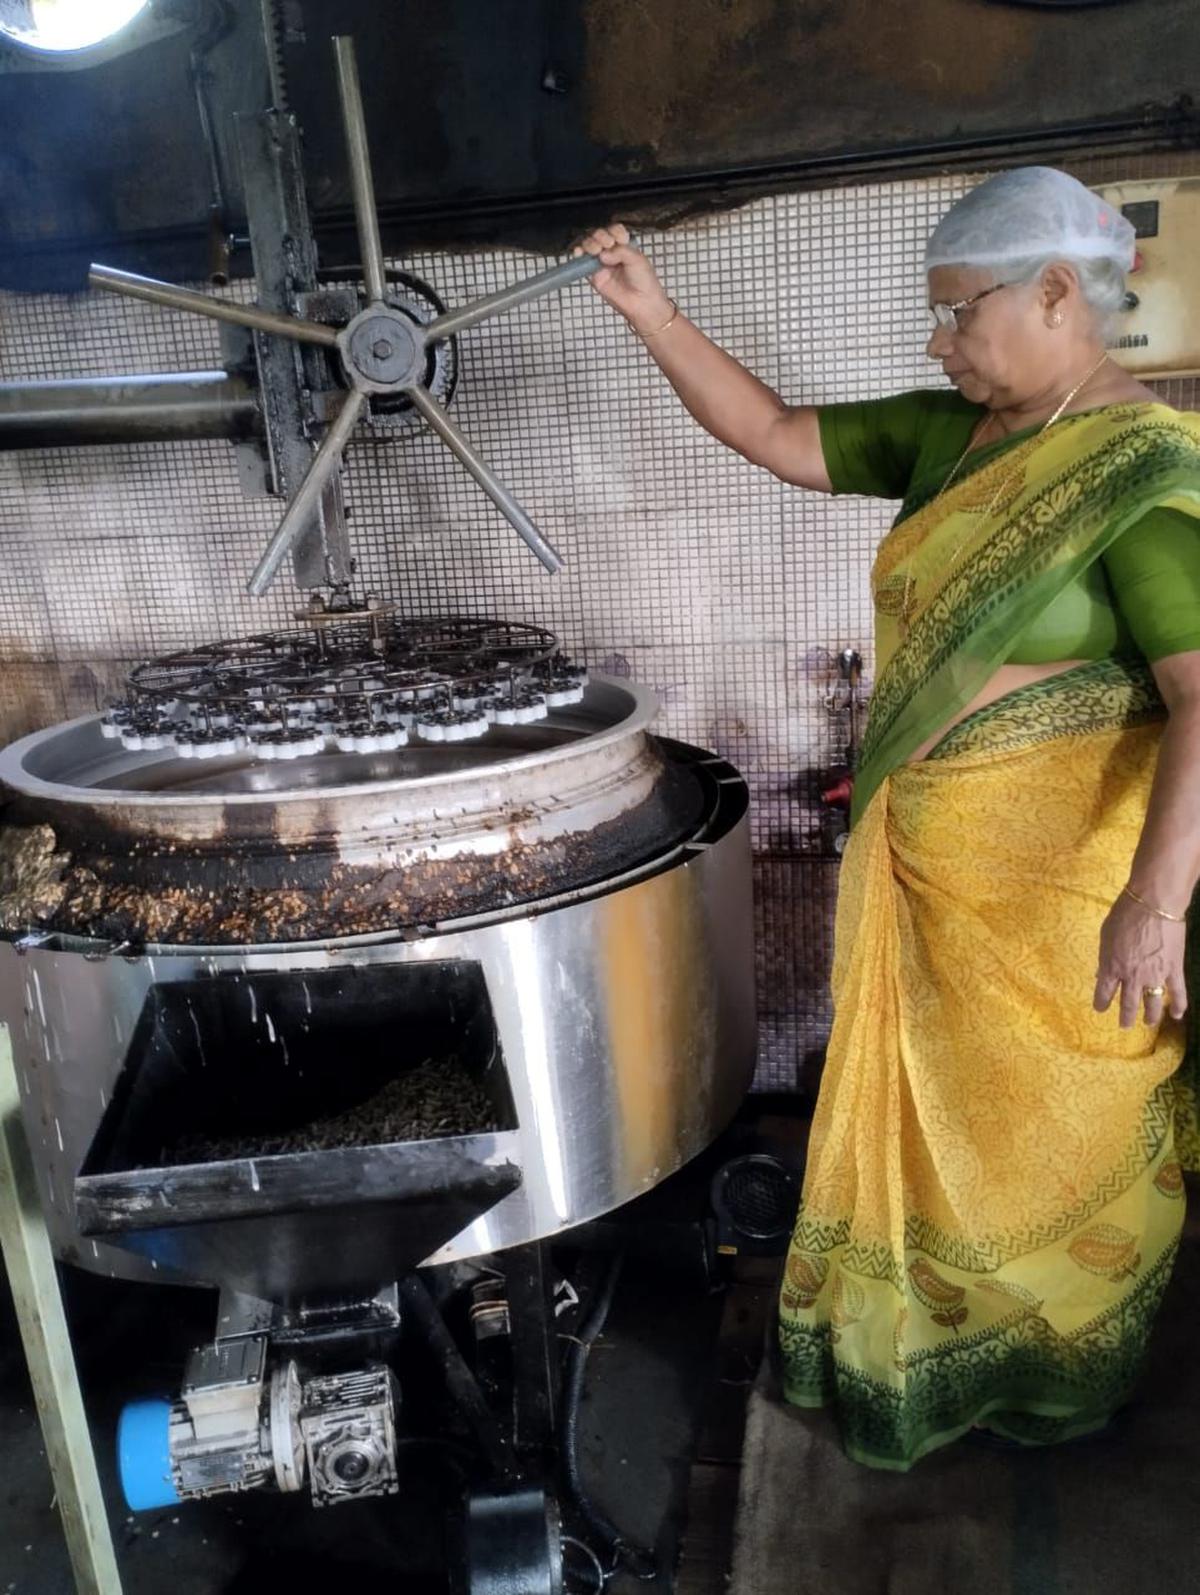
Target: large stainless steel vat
[(620, 987)]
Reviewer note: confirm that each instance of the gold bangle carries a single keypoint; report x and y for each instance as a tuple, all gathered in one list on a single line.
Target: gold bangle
[(667, 323), (1160, 913)]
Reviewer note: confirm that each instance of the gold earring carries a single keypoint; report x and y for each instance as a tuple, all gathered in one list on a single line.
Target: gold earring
[(1056, 318)]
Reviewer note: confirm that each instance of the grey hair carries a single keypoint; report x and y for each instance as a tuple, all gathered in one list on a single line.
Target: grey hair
[(1101, 281)]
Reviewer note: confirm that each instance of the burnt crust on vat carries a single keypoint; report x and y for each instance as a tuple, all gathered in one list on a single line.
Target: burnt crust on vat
[(78, 873)]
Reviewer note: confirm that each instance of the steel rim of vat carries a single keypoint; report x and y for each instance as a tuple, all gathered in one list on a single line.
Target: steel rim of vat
[(638, 711)]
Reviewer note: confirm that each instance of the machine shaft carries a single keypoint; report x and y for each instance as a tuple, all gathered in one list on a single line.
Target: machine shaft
[(366, 219), (134, 409), (175, 298), (325, 462), (487, 479), (505, 299)]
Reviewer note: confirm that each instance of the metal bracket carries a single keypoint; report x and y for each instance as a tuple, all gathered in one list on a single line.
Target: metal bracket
[(289, 373), (251, 456)]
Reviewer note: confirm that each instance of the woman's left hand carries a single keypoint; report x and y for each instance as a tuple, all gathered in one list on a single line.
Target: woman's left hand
[(1139, 951)]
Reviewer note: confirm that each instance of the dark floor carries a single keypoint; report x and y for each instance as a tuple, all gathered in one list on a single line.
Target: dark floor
[(1113, 1515), (649, 1397)]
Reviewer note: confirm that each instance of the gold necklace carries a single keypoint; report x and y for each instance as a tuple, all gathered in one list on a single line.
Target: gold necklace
[(973, 442), (908, 602)]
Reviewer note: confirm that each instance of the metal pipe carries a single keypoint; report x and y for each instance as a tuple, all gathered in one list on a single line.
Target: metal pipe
[(296, 516), (354, 122), (491, 484), (461, 1383), (545, 282), (133, 409), (166, 293)]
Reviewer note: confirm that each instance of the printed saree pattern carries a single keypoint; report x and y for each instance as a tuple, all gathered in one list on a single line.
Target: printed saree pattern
[(991, 554), (994, 1190)]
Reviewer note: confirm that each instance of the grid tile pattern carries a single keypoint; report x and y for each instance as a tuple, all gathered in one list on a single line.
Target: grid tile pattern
[(725, 591)]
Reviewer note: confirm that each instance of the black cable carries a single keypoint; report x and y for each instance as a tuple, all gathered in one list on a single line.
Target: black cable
[(571, 1543), (634, 1558)]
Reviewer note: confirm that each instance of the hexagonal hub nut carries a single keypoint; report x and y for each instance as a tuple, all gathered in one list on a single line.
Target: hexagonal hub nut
[(382, 351)]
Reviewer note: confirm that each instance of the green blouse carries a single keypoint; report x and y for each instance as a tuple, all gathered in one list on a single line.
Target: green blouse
[(1143, 592)]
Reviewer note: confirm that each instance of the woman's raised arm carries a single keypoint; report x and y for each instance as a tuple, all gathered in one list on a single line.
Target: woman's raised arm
[(725, 398)]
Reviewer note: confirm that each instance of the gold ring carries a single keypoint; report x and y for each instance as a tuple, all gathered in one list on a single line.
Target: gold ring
[(1154, 991)]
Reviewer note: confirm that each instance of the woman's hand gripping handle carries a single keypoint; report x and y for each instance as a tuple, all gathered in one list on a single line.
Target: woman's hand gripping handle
[(626, 279), (727, 400)]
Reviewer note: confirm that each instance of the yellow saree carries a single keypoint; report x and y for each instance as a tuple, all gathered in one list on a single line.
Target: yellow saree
[(994, 1189)]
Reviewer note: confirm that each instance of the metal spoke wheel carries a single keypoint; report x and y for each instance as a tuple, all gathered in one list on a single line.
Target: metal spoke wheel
[(383, 350)]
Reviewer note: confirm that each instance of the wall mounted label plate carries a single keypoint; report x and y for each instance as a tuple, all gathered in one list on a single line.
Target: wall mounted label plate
[(1159, 334)]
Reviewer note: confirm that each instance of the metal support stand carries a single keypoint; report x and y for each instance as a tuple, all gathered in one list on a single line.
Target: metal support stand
[(31, 1273), (461, 1384), (285, 266), (534, 1346)]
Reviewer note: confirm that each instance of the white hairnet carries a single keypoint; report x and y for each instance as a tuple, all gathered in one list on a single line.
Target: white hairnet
[(1032, 213)]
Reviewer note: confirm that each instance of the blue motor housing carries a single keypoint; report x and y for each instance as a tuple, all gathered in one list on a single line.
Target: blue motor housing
[(144, 1457)]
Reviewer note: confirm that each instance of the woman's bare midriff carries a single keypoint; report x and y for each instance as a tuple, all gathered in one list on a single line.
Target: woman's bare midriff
[(1007, 679)]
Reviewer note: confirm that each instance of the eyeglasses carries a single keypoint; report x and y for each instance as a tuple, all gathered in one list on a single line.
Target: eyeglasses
[(947, 315)]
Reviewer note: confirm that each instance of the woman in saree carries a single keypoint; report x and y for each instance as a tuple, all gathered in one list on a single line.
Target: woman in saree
[(994, 1188)]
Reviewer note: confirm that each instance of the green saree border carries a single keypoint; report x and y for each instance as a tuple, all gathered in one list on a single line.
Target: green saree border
[(1112, 694), (1002, 1374), (986, 1253), (933, 479)]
